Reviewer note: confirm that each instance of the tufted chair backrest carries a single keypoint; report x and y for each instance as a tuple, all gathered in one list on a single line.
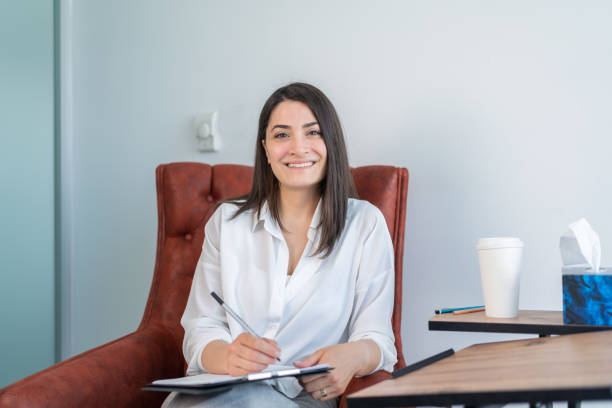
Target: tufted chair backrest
[(186, 196)]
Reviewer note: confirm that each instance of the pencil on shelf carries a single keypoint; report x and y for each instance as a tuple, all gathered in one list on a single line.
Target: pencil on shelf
[(478, 309), (450, 310)]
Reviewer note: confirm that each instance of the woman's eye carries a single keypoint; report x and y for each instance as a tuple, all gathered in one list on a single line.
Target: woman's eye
[(280, 135), (315, 133)]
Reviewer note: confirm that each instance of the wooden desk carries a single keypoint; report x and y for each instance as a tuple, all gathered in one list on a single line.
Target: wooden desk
[(542, 322), (571, 368)]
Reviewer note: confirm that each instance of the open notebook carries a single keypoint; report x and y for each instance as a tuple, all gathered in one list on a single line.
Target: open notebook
[(206, 383)]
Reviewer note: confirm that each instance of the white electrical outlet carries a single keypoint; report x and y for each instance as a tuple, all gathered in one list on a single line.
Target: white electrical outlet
[(209, 139)]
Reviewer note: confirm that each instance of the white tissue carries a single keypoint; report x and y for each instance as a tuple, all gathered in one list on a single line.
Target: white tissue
[(580, 246)]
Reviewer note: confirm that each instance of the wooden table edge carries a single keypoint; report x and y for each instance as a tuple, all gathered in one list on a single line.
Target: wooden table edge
[(492, 397)]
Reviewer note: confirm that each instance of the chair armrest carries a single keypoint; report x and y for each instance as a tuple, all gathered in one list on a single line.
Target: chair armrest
[(107, 376), (358, 383)]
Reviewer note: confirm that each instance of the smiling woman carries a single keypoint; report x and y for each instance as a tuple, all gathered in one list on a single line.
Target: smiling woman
[(306, 264), (313, 126)]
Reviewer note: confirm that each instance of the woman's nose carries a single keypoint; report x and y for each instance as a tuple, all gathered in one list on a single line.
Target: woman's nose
[(299, 145)]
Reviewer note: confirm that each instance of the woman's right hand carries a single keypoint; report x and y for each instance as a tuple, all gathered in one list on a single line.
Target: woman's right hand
[(249, 354)]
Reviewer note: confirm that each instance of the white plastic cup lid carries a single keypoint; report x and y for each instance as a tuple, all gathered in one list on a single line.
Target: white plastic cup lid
[(501, 242)]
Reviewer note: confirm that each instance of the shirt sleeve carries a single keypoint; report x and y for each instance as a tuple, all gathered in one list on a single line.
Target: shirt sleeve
[(373, 305), (203, 319)]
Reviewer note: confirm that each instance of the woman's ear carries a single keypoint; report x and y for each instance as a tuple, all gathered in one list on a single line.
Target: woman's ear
[(263, 143)]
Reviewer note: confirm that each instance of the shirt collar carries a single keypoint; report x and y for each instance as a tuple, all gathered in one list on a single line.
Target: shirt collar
[(269, 223), (262, 217)]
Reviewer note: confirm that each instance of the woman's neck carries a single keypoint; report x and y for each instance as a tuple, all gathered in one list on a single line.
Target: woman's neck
[(297, 206)]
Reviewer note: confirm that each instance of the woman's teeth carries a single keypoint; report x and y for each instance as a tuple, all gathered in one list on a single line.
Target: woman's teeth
[(307, 164)]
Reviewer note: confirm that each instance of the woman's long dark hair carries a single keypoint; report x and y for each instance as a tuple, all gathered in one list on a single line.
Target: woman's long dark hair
[(337, 184)]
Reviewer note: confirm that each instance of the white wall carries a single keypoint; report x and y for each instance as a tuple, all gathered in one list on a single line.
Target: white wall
[(500, 110)]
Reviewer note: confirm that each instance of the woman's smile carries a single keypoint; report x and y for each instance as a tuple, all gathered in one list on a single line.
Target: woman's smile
[(300, 165)]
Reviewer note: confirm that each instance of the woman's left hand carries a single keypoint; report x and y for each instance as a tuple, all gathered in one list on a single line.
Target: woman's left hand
[(347, 360)]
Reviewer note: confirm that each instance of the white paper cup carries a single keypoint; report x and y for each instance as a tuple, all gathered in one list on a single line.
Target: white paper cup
[(500, 266)]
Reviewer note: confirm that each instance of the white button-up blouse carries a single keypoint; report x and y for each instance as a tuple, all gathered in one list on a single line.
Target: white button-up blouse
[(346, 296)]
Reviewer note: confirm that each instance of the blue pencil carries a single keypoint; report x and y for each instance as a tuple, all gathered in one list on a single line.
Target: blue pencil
[(439, 311)]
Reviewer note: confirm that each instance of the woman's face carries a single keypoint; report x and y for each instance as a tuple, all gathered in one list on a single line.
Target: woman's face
[(294, 146)]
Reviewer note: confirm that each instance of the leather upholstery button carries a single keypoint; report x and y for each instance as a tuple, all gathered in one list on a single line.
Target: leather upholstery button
[(210, 198), (188, 237)]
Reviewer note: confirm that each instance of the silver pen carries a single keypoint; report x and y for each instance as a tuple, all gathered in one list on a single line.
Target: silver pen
[(236, 317)]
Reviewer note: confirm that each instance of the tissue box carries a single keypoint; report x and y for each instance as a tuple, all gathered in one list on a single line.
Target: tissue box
[(587, 296)]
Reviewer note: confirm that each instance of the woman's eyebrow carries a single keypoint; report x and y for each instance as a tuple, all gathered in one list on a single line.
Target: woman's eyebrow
[(309, 124)]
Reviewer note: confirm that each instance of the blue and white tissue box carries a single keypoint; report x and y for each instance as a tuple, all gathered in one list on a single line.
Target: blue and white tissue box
[(587, 296)]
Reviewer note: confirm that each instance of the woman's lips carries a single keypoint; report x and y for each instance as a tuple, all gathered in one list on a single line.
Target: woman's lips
[(300, 165)]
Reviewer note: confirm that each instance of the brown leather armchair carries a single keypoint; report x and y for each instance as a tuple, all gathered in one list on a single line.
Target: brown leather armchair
[(111, 375)]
